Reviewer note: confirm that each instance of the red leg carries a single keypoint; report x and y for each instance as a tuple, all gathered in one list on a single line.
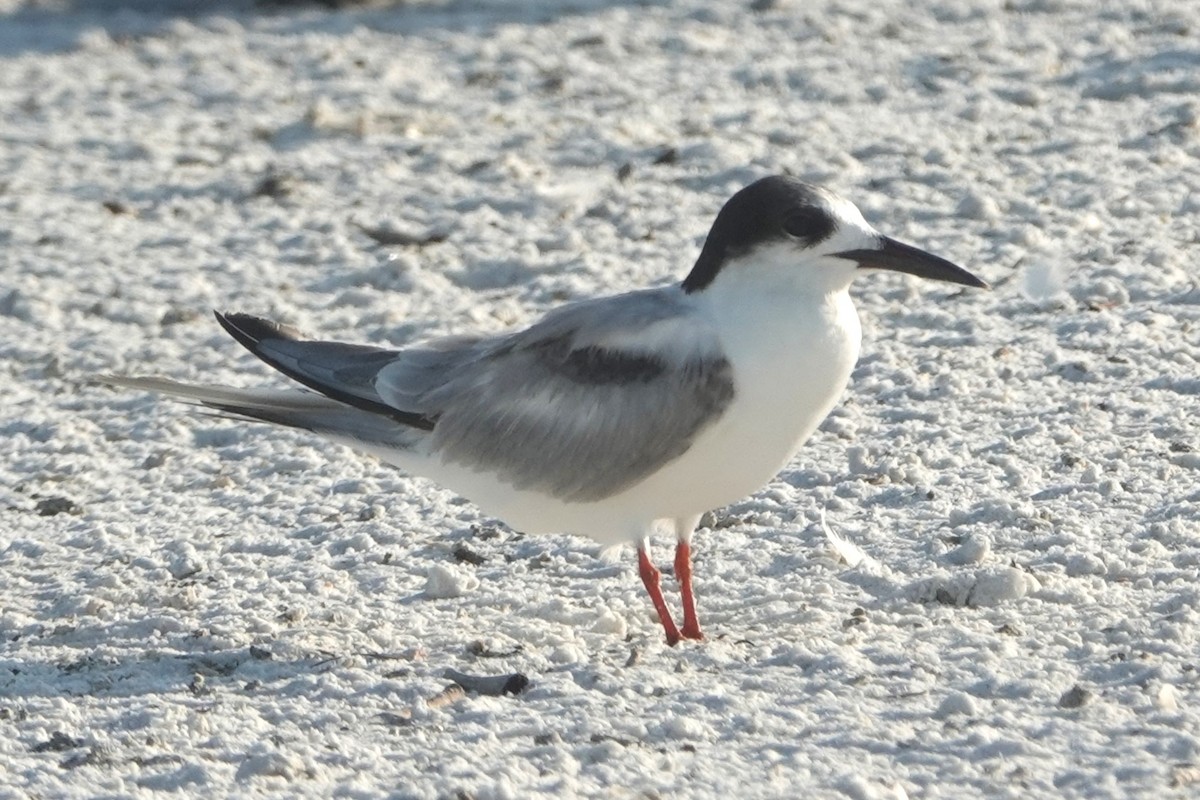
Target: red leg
[(652, 578), (683, 571)]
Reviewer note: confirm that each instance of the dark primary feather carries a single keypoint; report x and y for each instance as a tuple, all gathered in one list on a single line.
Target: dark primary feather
[(343, 372)]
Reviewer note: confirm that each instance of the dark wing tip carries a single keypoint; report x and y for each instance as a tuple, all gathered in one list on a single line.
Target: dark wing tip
[(249, 330)]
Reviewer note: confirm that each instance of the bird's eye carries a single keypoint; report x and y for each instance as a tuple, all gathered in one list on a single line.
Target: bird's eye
[(809, 224)]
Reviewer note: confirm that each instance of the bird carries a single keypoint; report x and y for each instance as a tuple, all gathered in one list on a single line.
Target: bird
[(612, 416)]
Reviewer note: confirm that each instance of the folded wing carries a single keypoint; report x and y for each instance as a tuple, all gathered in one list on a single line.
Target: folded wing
[(582, 405)]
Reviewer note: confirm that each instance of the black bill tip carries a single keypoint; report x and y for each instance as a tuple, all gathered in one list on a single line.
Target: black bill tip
[(899, 257)]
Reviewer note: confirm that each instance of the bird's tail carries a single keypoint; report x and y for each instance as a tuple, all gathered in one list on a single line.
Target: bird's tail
[(292, 408)]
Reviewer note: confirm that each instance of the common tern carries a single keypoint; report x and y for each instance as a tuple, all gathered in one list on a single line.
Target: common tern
[(610, 416)]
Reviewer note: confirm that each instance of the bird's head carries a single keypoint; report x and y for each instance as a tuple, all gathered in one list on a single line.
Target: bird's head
[(805, 235)]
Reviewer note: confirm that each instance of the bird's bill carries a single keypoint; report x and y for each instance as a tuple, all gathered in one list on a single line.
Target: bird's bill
[(899, 257)]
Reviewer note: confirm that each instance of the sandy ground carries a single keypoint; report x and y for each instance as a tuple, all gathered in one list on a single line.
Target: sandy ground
[(197, 607)]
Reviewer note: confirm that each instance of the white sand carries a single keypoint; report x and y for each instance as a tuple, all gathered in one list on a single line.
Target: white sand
[(224, 609)]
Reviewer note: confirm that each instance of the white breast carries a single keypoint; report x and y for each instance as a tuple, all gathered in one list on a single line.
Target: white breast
[(791, 365)]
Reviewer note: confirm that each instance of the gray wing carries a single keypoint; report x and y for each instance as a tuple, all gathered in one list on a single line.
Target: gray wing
[(582, 405)]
